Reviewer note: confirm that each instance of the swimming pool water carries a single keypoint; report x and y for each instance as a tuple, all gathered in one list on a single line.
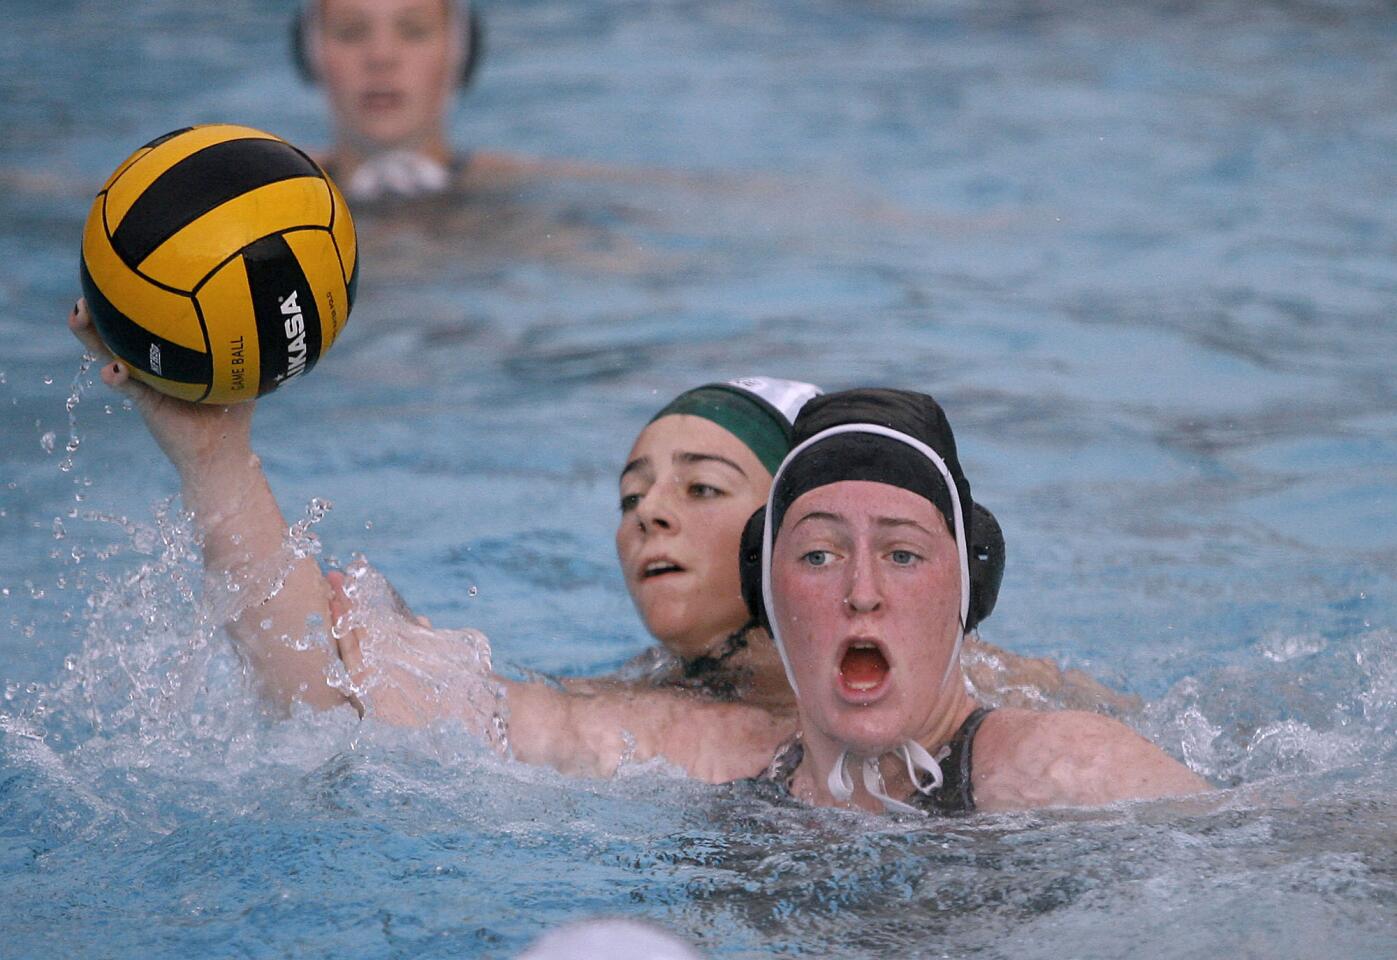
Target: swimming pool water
[(1143, 254)]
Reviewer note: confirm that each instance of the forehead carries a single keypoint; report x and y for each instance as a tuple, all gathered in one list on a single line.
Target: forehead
[(686, 433), (862, 502)]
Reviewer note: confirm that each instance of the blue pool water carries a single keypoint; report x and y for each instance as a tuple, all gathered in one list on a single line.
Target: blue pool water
[(1143, 253)]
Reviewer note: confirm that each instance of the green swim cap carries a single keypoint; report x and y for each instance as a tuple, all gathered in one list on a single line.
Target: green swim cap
[(758, 411)]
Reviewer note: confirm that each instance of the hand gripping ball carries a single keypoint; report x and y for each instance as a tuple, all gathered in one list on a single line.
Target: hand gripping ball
[(219, 262)]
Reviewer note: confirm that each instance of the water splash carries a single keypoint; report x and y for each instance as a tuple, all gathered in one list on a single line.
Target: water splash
[(1302, 705), (82, 382), (300, 538), (412, 674), (140, 632)]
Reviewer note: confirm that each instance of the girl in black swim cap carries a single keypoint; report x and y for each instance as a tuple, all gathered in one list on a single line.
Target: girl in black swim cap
[(866, 582)]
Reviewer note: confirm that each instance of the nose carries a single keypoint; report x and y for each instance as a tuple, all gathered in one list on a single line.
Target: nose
[(864, 589), (382, 49), (656, 510)]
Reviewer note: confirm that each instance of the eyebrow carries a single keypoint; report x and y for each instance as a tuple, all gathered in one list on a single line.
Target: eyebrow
[(902, 522), (683, 456), (686, 457), (820, 515), (880, 521)]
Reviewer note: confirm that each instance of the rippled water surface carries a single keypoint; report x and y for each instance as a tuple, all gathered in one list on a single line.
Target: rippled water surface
[(1143, 253)]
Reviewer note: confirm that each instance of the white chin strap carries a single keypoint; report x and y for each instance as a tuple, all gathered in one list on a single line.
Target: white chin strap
[(841, 785), (397, 173)]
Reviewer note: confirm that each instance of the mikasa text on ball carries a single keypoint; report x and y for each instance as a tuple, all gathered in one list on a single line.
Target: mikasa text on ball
[(219, 262)]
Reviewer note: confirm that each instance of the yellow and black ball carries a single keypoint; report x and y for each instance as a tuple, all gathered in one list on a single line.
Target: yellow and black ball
[(219, 262)]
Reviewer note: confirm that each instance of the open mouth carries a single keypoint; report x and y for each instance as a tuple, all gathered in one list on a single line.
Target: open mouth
[(863, 668), (381, 100), (659, 568)]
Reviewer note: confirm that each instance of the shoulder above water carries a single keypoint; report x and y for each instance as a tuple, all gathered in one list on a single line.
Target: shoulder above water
[(1027, 758)]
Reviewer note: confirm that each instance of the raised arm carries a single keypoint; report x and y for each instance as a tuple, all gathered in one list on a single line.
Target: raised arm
[(272, 597)]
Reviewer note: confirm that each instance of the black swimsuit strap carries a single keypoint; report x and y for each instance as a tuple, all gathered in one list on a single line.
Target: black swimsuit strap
[(956, 795), (784, 763), (710, 672)]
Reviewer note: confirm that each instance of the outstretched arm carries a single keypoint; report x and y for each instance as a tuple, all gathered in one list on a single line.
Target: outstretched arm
[(271, 596), (592, 735), (407, 673)]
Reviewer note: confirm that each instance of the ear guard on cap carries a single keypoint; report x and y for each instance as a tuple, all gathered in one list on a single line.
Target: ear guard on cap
[(986, 548), (474, 44), (475, 48), (300, 59), (749, 564)]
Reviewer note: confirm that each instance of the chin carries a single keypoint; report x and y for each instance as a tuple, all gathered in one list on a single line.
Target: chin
[(682, 634), (386, 131), (692, 642), (685, 646), (867, 731), (673, 636), (388, 138)]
